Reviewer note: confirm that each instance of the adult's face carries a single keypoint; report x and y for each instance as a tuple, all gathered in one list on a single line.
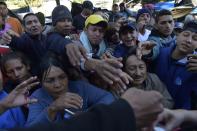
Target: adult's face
[(64, 26), (115, 9), (145, 17), (16, 71), (95, 34), (3, 10), (187, 41), (129, 38), (32, 25), (55, 81), (136, 68), (165, 25)]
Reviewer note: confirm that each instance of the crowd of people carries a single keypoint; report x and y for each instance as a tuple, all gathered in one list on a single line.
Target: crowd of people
[(98, 70)]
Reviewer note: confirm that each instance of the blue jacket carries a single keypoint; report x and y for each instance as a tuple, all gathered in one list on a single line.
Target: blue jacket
[(161, 41), (91, 95), (11, 118), (35, 47), (122, 50), (179, 81), (56, 43), (32, 46)]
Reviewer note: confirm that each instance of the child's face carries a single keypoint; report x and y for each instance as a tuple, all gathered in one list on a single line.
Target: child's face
[(129, 37)]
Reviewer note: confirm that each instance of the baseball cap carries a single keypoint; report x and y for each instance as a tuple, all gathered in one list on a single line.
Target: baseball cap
[(191, 26), (95, 19), (127, 27)]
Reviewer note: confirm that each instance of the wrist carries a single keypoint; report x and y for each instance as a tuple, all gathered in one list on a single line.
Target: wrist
[(91, 64)]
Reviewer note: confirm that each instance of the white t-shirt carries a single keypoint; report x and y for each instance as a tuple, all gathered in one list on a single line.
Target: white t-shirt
[(144, 37)]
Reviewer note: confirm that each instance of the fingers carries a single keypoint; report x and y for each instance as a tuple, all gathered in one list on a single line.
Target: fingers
[(13, 33), (114, 62), (106, 79), (83, 51), (71, 55), (75, 52), (148, 45), (73, 100), (192, 63), (29, 84), (6, 38)]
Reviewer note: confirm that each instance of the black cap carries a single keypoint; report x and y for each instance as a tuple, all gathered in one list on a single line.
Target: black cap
[(127, 27), (87, 5), (191, 26)]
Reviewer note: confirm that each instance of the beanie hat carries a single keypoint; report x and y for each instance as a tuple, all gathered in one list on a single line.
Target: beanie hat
[(60, 12), (87, 5), (142, 11)]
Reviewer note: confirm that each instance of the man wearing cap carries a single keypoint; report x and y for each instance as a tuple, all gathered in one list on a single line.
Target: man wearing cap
[(143, 19), (92, 36), (128, 35), (176, 66), (79, 20)]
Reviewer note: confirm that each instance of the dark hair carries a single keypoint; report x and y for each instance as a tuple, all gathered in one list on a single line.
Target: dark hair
[(13, 55), (87, 5), (132, 51), (50, 59), (162, 13), (41, 18), (3, 3), (122, 4), (29, 14), (114, 5), (109, 33)]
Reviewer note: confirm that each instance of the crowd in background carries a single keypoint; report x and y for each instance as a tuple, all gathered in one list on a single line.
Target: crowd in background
[(94, 57)]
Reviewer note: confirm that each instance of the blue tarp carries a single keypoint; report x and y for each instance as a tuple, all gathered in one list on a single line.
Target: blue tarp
[(194, 11), (164, 5)]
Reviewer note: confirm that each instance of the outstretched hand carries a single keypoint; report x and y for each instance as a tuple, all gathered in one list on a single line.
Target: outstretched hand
[(144, 48), (19, 96)]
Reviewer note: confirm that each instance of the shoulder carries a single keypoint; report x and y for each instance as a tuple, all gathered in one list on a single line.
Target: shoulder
[(39, 93), (79, 84), (13, 19)]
